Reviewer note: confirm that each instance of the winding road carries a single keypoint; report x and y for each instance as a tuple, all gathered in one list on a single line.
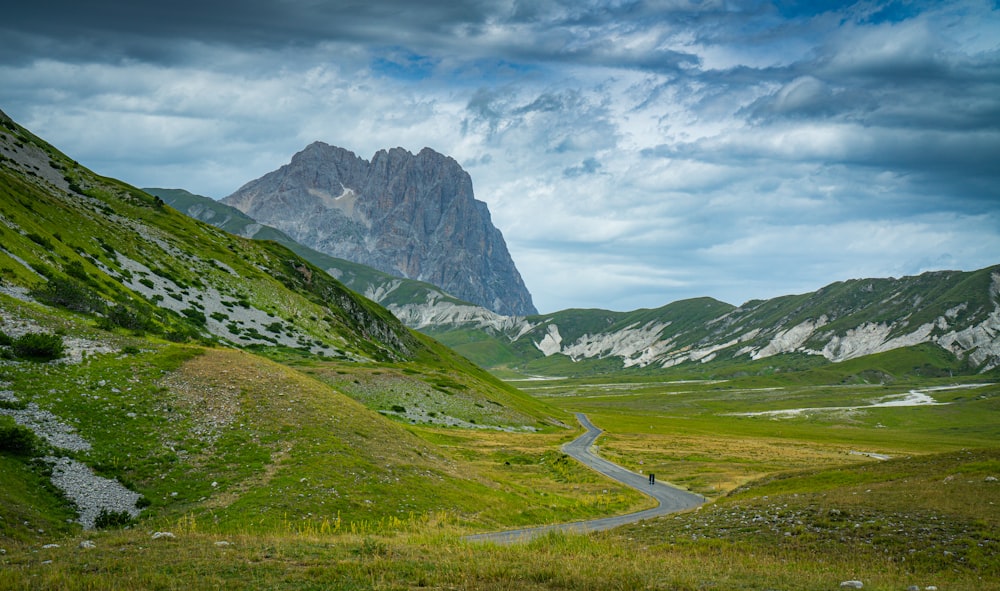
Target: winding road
[(669, 499)]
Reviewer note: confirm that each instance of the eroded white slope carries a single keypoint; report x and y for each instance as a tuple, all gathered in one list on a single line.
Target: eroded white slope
[(436, 311)]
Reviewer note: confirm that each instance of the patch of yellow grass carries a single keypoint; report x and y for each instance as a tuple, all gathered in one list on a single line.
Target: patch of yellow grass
[(713, 465)]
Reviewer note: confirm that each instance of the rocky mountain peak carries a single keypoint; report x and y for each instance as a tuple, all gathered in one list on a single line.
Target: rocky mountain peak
[(414, 216)]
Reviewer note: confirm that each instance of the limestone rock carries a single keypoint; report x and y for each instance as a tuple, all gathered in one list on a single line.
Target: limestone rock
[(413, 216)]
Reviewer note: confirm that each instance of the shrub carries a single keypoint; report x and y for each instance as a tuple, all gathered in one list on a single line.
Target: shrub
[(182, 334), (195, 316), (17, 440), (40, 241), (75, 270), (126, 317), (69, 294), (107, 519), (37, 346), (107, 247)]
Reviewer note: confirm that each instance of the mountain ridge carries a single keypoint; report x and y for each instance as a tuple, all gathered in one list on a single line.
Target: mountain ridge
[(956, 310), (410, 215)]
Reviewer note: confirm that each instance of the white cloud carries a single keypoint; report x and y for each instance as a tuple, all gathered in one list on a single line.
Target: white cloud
[(631, 156)]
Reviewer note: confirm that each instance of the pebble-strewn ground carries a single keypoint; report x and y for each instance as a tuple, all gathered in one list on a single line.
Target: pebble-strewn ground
[(90, 493)]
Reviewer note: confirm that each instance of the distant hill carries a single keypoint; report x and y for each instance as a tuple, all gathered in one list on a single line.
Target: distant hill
[(956, 311), (409, 215)]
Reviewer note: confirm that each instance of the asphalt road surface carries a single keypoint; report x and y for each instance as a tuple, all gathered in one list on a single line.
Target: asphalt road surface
[(670, 499)]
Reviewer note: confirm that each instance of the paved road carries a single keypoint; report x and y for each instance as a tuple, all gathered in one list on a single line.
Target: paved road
[(670, 499)]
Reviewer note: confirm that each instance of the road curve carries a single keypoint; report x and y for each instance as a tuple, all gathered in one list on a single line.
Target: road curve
[(669, 498)]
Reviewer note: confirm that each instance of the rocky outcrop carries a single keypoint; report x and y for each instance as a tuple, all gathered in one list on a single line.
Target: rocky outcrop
[(413, 216)]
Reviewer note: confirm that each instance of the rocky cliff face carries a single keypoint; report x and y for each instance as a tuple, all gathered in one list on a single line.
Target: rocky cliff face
[(414, 216)]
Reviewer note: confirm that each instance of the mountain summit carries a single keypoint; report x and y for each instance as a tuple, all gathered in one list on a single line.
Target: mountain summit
[(413, 216)]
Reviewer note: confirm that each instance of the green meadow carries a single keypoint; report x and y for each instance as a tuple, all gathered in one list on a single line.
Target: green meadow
[(696, 434), (273, 479)]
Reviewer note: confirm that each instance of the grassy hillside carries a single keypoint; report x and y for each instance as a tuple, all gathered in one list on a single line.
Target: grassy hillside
[(241, 443)]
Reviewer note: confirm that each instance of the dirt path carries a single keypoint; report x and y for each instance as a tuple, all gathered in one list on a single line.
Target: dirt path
[(669, 499)]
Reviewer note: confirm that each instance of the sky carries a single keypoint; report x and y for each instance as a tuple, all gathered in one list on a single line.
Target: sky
[(632, 153)]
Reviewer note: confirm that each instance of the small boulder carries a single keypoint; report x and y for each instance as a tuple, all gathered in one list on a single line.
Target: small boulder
[(87, 544), (162, 534), (851, 585)]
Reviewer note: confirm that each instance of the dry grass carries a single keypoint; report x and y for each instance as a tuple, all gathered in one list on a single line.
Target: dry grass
[(712, 465)]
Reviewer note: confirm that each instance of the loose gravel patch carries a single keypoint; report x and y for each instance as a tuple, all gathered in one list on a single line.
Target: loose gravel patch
[(91, 493), (45, 425)]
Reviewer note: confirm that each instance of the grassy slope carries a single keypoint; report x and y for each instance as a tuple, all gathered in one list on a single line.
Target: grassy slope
[(242, 443)]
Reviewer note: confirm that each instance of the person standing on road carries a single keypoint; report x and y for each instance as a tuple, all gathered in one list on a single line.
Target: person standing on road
[(652, 479)]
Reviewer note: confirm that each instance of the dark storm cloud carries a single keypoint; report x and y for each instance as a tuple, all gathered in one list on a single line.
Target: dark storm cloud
[(106, 30), (109, 29)]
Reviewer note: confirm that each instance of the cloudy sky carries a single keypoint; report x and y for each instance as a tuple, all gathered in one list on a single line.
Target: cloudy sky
[(633, 153)]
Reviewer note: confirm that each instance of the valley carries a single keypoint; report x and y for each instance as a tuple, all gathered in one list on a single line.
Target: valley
[(793, 503), (183, 407)]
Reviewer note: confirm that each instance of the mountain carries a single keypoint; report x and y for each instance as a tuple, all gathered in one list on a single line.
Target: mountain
[(956, 311), (413, 216), (952, 310)]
